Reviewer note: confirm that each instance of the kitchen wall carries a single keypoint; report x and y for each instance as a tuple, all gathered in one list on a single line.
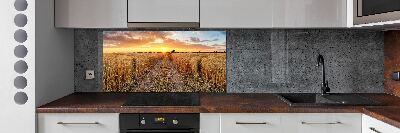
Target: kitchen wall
[(54, 57), (274, 61), (392, 61)]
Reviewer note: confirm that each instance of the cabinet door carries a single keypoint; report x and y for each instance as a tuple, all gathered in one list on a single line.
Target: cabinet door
[(78, 123), (372, 125), (236, 13), (321, 123), (209, 122), (250, 123), (91, 13), (163, 11), (310, 13)]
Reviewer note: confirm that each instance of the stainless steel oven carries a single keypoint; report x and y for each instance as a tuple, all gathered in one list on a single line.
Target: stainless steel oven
[(373, 11), (159, 123)]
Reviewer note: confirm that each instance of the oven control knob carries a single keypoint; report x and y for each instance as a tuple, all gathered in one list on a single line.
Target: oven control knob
[(143, 122), (175, 122)]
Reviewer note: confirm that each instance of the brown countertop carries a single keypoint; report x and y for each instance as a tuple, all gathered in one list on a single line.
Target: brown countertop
[(390, 115), (218, 103)]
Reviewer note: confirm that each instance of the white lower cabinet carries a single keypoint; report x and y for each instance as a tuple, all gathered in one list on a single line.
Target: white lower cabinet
[(78, 123), (372, 125), (250, 123), (321, 123), (227, 123), (280, 123), (209, 122)]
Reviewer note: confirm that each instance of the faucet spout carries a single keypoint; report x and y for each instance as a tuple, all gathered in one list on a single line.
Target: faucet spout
[(324, 86)]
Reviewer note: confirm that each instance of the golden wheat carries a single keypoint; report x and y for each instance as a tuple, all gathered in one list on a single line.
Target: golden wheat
[(201, 72), (121, 71), (206, 71)]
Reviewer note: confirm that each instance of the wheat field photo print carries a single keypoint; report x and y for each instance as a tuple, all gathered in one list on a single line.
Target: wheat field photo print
[(164, 61)]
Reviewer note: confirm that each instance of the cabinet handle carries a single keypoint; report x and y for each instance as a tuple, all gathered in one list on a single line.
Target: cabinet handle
[(321, 123), (374, 129), (78, 123), (251, 123)]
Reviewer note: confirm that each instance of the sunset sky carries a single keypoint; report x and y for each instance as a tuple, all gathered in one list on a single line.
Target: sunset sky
[(163, 41)]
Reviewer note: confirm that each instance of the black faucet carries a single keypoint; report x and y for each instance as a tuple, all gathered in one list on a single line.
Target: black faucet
[(324, 87)]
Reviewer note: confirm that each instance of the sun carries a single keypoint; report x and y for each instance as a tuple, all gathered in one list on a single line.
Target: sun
[(164, 49)]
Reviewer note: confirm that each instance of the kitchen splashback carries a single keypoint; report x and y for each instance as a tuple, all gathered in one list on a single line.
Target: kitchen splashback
[(273, 61)]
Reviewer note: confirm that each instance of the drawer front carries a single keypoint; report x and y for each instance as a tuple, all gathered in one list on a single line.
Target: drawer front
[(372, 125), (236, 13), (321, 123), (250, 123), (78, 123), (163, 10)]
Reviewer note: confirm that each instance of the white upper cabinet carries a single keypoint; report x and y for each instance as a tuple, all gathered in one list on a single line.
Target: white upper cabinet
[(273, 13), (91, 13), (209, 13), (163, 11), (310, 13), (236, 13)]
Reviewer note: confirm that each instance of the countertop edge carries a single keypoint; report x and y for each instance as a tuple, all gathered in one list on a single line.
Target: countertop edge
[(381, 117)]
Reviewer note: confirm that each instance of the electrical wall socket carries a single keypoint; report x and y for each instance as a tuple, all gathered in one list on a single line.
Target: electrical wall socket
[(89, 74), (396, 76)]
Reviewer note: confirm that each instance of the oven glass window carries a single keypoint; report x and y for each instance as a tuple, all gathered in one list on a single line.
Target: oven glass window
[(372, 7)]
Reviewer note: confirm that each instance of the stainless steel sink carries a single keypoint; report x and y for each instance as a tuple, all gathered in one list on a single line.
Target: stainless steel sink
[(316, 99)]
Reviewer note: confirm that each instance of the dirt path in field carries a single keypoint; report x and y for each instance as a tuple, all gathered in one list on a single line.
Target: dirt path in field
[(163, 77)]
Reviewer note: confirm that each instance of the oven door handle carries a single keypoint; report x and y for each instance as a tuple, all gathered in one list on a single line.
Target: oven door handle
[(161, 131)]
